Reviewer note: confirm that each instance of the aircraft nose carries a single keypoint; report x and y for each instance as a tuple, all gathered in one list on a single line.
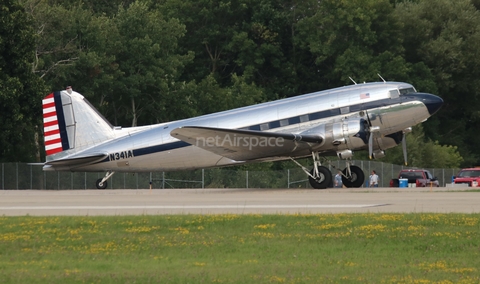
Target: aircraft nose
[(432, 102)]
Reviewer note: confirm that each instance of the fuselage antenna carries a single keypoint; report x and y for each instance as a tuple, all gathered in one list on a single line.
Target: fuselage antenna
[(352, 80), (381, 78)]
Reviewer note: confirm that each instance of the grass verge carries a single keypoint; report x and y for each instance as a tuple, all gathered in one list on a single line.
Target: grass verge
[(327, 248)]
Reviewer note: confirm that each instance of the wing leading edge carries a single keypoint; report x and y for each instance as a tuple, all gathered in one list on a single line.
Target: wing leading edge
[(244, 145)]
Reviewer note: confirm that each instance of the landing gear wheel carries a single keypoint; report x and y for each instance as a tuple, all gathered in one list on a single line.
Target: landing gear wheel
[(101, 185), (356, 179), (323, 180)]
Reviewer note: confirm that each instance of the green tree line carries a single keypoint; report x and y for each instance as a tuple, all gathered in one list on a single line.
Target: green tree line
[(143, 62)]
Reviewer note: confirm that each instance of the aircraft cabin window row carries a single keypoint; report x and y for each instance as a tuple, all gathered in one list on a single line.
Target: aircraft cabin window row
[(394, 94)]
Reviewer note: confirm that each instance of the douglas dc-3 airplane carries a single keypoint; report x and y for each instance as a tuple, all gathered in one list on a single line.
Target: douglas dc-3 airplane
[(374, 116)]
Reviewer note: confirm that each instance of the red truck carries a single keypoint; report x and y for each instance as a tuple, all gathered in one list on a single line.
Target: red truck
[(416, 178), (470, 176)]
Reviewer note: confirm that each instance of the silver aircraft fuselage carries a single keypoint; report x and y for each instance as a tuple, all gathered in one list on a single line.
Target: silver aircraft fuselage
[(335, 115)]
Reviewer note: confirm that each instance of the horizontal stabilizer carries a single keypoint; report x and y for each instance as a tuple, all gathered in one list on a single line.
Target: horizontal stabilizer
[(77, 161), (243, 145)]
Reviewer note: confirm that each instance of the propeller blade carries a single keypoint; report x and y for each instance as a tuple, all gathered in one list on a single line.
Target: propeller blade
[(372, 130), (370, 146), (404, 147)]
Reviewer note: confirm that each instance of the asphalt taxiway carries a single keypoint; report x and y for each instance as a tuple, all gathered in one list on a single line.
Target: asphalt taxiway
[(237, 201)]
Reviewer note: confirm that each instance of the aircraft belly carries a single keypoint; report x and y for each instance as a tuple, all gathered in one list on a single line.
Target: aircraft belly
[(176, 159)]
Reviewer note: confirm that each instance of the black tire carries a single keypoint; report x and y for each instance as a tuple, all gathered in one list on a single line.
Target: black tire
[(101, 186), (324, 179), (357, 178)]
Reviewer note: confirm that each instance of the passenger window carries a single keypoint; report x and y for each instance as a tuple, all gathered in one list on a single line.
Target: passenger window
[(304, 118)]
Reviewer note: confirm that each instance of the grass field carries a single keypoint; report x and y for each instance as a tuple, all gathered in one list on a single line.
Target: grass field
[(324, 248)]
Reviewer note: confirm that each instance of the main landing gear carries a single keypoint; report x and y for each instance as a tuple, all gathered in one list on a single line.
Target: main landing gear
[(320, 177), (102, 182)]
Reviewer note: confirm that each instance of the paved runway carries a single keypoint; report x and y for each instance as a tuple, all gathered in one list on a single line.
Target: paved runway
[(236, 201)]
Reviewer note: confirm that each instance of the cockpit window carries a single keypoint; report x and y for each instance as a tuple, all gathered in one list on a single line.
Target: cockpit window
[(394, 94), (407, 90)]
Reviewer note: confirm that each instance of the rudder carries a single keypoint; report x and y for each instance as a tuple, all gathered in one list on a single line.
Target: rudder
[(56, 139), (72, 124)]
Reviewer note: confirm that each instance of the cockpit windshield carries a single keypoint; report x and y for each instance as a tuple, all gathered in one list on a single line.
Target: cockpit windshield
[(407, 90), (395, 93)]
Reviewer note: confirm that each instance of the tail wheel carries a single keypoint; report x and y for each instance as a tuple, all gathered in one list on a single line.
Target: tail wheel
[(101, 185), (323, 180), (356, 179)]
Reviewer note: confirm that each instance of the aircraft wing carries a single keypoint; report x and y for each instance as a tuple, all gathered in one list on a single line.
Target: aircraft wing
[(243, 145)]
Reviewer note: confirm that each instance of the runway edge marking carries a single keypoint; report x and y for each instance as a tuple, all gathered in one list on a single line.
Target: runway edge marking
[(189, 207)]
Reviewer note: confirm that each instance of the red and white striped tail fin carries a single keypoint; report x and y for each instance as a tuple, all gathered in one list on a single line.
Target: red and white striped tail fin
[(71, 124), (51, 128)]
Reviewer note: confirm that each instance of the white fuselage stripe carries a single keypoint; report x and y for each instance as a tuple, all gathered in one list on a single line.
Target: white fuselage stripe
[(50, 119), (52, 137), (49, 110), (53, 146), (51, 128), (48, 101)]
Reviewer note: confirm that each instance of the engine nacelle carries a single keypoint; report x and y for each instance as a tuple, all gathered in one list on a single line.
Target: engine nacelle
[(345, 154), (378, 154), (390, 141), (348, 134)]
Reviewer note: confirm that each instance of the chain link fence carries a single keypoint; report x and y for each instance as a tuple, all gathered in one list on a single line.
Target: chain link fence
[(25, 176)]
